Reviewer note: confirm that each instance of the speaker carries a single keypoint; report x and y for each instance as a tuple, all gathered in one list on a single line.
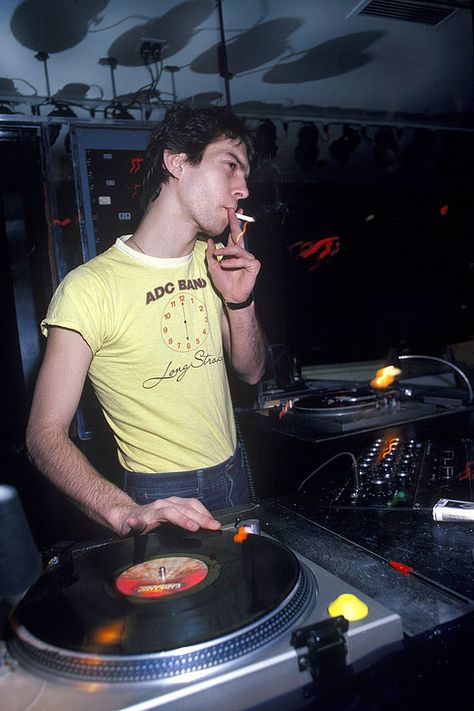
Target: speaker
[(20, 562)]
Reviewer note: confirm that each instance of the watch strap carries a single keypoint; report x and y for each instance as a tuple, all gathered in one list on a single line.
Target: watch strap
[(241, 305)]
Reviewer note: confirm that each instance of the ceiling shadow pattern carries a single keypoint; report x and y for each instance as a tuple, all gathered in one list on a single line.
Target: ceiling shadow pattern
[(173, 31), (250, 49), (329, 59), (54, 25), (7, 87)]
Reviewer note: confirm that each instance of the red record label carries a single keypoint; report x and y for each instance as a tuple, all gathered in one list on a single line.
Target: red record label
[(161, 577)]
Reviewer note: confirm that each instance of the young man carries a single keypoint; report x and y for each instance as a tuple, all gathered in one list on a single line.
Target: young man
[(148, 320)]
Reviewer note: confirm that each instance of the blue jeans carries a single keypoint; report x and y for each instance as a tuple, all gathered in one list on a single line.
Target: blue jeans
[(217, 487)]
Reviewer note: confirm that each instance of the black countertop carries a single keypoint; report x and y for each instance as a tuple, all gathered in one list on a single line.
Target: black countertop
[(357, 545)]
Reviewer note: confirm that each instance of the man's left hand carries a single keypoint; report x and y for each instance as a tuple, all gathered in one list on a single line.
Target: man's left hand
[(232, 268)]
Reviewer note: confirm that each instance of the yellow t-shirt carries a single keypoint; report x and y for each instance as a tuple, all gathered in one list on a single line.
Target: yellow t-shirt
[(154, 328)]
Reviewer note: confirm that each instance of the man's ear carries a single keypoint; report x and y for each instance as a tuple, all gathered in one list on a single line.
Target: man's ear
[(174, 162)]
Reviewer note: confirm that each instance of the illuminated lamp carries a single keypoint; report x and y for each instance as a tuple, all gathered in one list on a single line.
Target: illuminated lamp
[(118, 110)]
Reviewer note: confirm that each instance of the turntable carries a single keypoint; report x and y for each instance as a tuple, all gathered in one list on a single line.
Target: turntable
[(184, 618), (383, 402), (353, 408)]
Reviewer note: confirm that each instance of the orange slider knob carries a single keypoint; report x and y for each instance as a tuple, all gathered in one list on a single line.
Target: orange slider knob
[(241, 535)]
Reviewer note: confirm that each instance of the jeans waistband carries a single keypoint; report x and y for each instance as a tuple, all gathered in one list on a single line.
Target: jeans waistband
[(188, 472)]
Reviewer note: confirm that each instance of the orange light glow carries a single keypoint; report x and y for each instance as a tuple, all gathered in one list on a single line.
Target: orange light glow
[(89, 687), (241, 234), (241, 536), (285, 409), (391, 444), (385, 377), (109, 634), (92, 661)]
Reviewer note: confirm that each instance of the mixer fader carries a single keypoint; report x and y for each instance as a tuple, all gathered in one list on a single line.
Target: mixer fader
[(396, 473)]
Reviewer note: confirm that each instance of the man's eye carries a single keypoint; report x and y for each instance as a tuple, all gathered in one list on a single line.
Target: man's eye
[(232, 165)]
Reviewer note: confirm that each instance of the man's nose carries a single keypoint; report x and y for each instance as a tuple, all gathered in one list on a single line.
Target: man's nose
[(241, 191)]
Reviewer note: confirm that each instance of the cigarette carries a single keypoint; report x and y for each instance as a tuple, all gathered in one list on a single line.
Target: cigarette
[(246, 218)]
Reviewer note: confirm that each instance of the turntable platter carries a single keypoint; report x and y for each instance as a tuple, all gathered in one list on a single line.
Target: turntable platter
[(338, 402), (122, 611)]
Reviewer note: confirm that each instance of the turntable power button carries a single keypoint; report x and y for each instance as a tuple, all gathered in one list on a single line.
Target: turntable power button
[(349, 606)]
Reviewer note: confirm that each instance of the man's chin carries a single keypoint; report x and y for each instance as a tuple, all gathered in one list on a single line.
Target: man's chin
[(214, 233)]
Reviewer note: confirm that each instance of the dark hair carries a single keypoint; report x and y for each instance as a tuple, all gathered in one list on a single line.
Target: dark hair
[(190, 131)]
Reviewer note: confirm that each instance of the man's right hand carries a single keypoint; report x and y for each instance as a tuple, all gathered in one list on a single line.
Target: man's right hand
[(189, 514)]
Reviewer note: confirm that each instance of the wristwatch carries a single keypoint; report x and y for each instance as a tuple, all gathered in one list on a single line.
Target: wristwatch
[(241, 305)]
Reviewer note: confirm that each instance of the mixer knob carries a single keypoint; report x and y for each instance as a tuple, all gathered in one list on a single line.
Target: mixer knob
[(380, 486), (403, 475)]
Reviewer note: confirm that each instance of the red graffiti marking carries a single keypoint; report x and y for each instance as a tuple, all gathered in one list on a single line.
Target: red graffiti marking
[(63, 223), (136, 165), (136, 189), (317, 251), (468, 472)]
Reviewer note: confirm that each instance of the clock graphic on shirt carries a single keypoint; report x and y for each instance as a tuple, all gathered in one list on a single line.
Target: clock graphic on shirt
[(184, 323)]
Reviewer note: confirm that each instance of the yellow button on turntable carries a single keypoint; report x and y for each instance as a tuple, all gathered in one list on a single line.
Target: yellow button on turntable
[(349, 606)]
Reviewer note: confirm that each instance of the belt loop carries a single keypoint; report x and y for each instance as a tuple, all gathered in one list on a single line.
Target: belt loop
[(200, 483)]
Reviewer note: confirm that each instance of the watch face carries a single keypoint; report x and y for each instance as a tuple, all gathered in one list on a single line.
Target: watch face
[(184, 324)]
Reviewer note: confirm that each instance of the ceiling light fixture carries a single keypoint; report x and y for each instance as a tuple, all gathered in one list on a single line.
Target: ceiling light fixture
[(117, 109), (62, 111)]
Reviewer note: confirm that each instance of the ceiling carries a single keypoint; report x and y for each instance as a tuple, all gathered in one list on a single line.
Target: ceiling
[(307, 58)]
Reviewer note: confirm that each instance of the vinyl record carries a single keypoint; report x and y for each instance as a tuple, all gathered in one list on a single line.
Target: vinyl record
[(159, 577), (150, 595), (338, 402)]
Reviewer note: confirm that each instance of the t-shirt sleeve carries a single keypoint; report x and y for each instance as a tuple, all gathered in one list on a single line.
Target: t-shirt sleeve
[(80, 304)]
